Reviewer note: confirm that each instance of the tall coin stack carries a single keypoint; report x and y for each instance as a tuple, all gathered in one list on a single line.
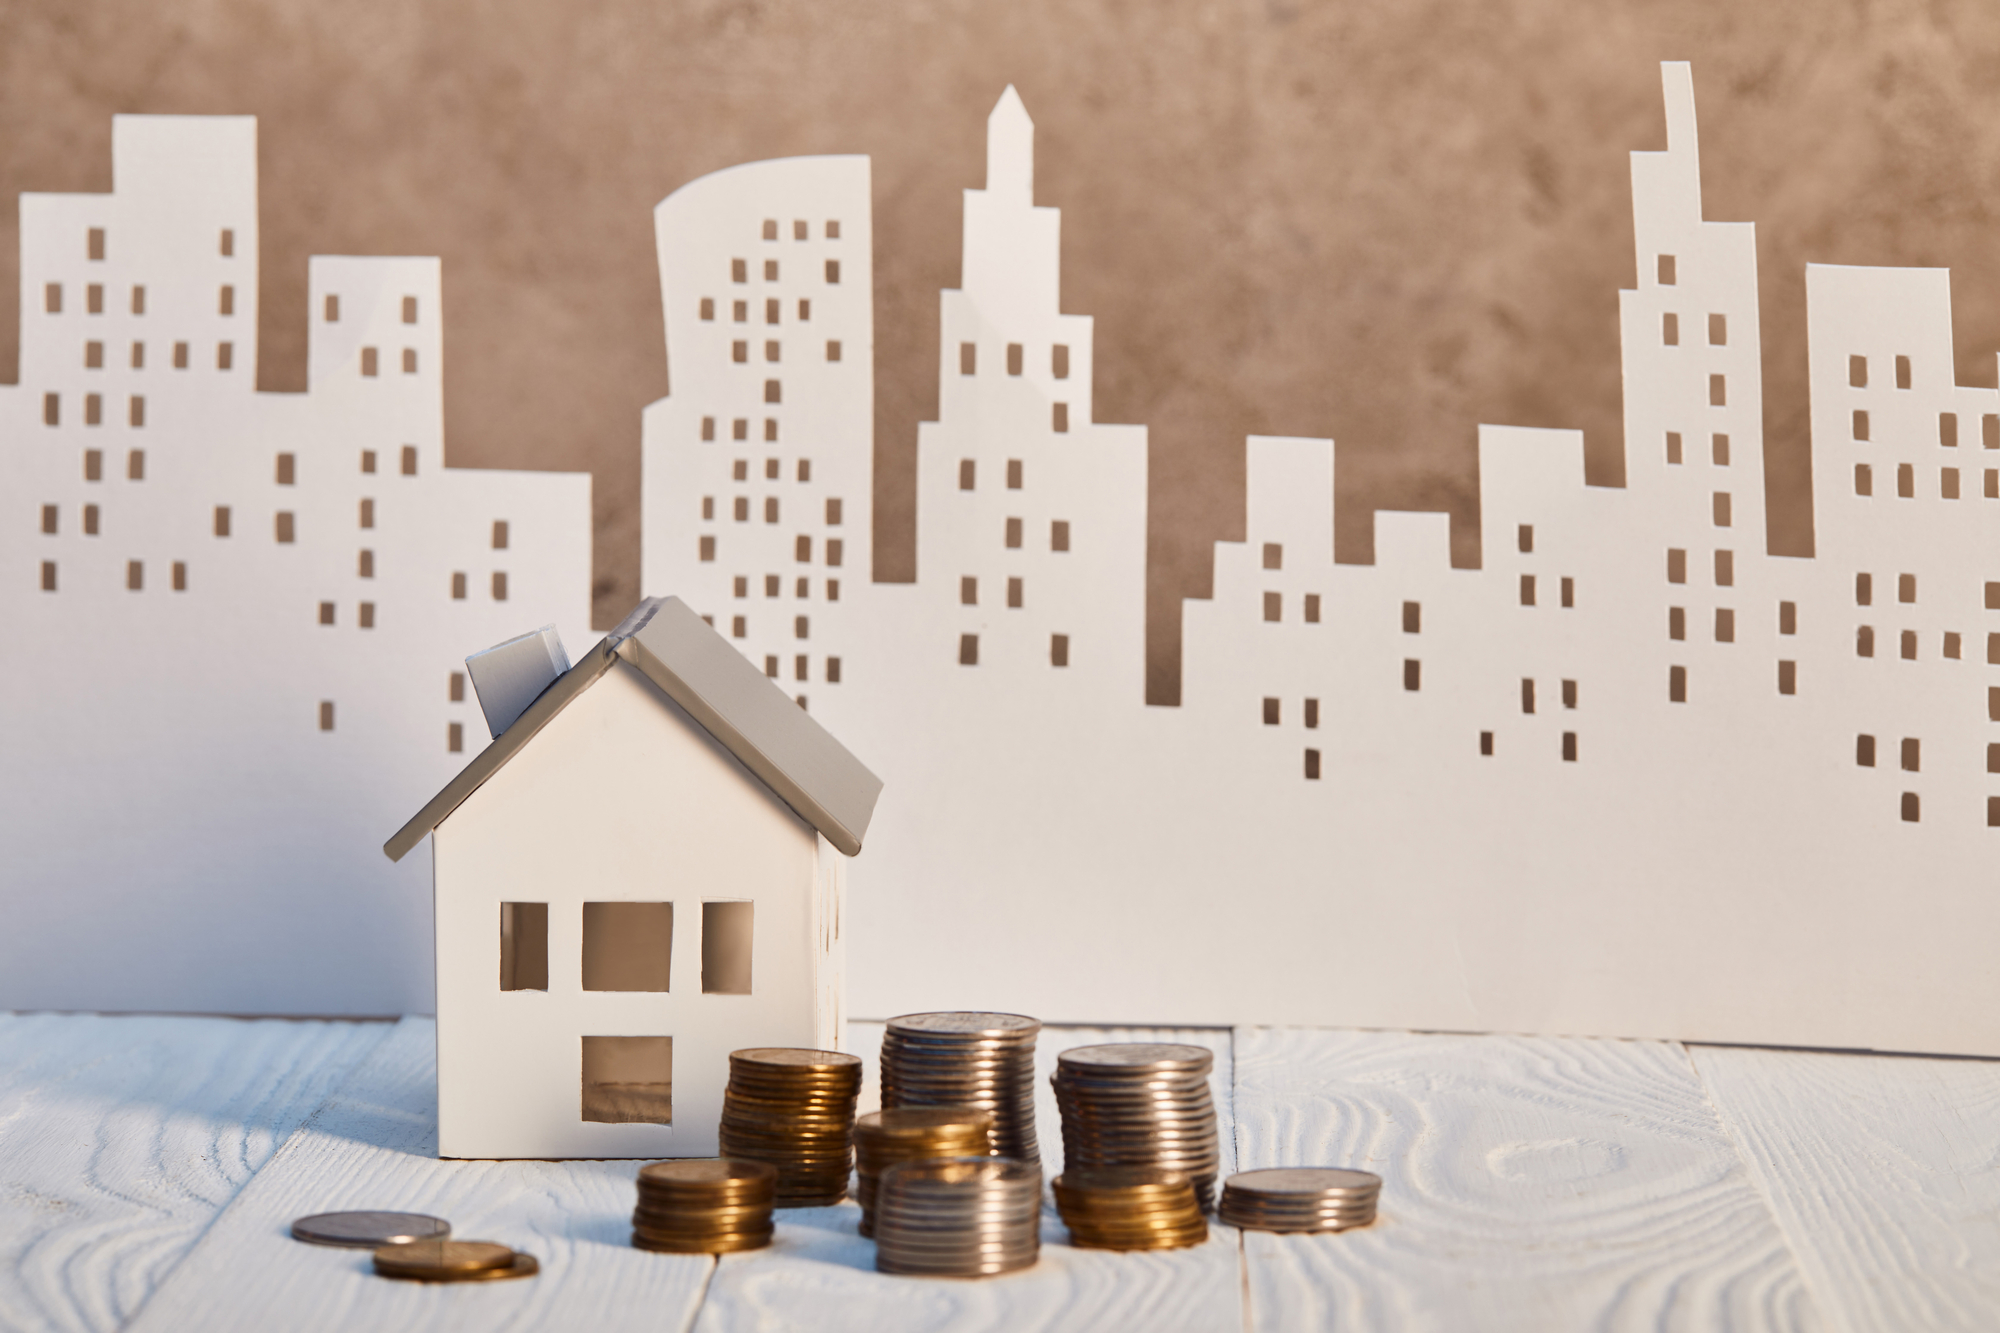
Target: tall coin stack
[(704, 1206), (908, 1134), (1129, 1208), (959, 1217), (1140, 1104), (1300, 1198), (967, 1059), (795, 1110)]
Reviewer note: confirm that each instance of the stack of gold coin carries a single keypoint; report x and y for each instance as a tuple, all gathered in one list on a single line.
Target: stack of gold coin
[(959, 1217), (909, 1134), (1129, 1208), (795, 1110), (704, 1206), (967, 1059), (1300, 1198), (453, 1261), (1140, 1104)]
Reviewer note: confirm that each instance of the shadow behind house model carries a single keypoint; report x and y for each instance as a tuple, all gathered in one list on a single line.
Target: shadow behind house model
[(643, 872)]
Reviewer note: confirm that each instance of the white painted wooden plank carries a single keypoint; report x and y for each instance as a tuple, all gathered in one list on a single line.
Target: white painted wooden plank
[(1528, 1183), (1881, 1170), (121, 1138), (373, 1146), (820, 1274)]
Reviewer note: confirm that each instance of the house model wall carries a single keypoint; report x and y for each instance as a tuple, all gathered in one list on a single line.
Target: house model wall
[(239, 618), (1633, 775)]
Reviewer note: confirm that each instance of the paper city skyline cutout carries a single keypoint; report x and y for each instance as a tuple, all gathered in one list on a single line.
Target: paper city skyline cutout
[(1633, 776)]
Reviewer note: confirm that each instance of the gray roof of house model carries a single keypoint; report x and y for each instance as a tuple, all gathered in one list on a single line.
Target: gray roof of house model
[(755, 720)]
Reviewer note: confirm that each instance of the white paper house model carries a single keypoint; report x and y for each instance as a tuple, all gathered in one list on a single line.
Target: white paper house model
[(643, 872)]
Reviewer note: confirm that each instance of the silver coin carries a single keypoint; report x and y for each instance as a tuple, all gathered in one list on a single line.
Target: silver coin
[(369, 1230), (1138, 1056), (967, 1023), (1304, 1180)]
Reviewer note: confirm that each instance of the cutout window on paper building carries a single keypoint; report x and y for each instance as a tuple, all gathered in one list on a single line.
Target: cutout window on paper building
[(1948, 429), (524, 935), (286, 530), (1720, 506), (770, 430), (93, 409), (1718, 330), (1788, 677), (409, 361), (1413, 674), (500, 534), (770, 270), (770, 229), (1864, 590), (1909, 645), (137, 413), (741, 509), (93, 465), (1864, 479), (326, 715), (51, 516), (1274, 606), (739, 627), (707, 548), (628, 1080), (834, 551), (739, 351), (1677, 684), (1569, 694), (1569, 747), (770, 349), (967, 473), (739, 469), (708, 508), (1864, 641), (1951, 644), (1312, 714), (1673, 448), (366, 615), (1718, 391), (1993, 483), (805, 309), (48, 576), (90, 515), (326, 613), (1902, 372), (1527, 695), (739, 270), (1670, 329), (739, 311), (135, 465), (499, 585), (1059, 535), (51, 409), (1906, 482), (454, 689), (93, 298), (222, 520), (803, 588), (1272, 709), (409, 460), (226, 300), (1525, 536), (1014, 590), (708, 429), (773, 393), (366, 564), (228, 243), (833, 671), (771, 666), (772, 584), (180, 356), (93, 355), (330, 310), (770, 509), (1312, 608), (1989, 430), (627, 946), (833, 585), (800, 627), (968, 591), (708, 307), (1059, 361), (180, 574), (1527, 590), (225, 357), (968, 650), (833, 349), (799, 229), (1725, 569), (728, 931), (832, 230), (1274, 555), (1719, 449), (1568, 593), (1788, 617), (1486, 744), (139, 356), (409, 310), (1676, 622), (1725, 625), (1312, 765), (367, 513), (1013, 474), (1911, 806), (52, 298), (1059, 418), (833, 270), (1413, 618), (1857, 372), (1906, 587), (1948, 483), (1664, 269), (286, 469), (1059, 650), (458, 582)]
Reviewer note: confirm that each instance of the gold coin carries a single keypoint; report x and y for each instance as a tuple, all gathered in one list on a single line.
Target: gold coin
[(438, 1259)]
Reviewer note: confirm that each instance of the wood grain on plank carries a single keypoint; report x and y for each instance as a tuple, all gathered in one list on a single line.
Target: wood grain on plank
[(1884, 1172), (122, 1137), (374, 1145), (1528, 1183), (820, 1273)]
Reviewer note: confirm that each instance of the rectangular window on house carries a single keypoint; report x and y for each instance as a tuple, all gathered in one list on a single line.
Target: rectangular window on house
[(1909, 644), (627, 946), (833, 671), (138, 356), (90, 513), (409, 361), (967, 473), (728, 931), (1664, 269), (1413, 674), (770, 509), (1788, 677), (135, 465), (1312, 714), (1059, 418), (1718, 445), (93, 465), (968, 358), (500, 534), (1273, 711), (1670, 329), (1718, 391), (93, 355), (1906, 481), (1864, 641), (1993, 483), (1013, 533), (1527, 590), (367, 513), (1864, 751), (1569, 747), (1677, 684), (48, 576), (1013, 474), (1948, 483), (835, 549), (1524, 537), (1274, 555), (368, 361), (1857, 372), (1673, 448), (367, 565), (499, 585), (1059, 535), (1902, 372), (330, 310), (1725, 569), (136, 414), (1013, 358), (708, 307), (326, 715), (1951, 642), (180, 576), (1312, 765), (52, 409), (1906, 588), (225, 356), (770, 270), (1527, 695), (180, 356), (1569, 593), (287, 469), (707, 548), (326, 613), (1718, 330), (1788, 617), (1059, 650), (772, 309), (455, 687), (968, 591), (1864, 589), (1569, 694), (93, 298), (1725, 625), (458, 587), (1413, 617), (1058, 358), (1312, 608), (286, 529), (1274, 606), (1948, 429), (222, 520), (1014, 593), (135, 576), (454, 738), (93, 409), (1486, 744), (628, 1080), (51, 517), (968, 650), (366, 615), (1719, 504), (52, 298), (409, 460)]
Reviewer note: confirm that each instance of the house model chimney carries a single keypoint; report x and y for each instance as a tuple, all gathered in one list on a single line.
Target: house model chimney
[(511, 675)]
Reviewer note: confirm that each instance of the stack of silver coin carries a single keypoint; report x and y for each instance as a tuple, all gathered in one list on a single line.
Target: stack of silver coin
[(981, 1060), (1143, 1104), (1300, 1198), (958, 1217)]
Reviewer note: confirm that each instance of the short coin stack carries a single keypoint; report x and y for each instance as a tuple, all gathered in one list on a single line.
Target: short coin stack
[(1300, 1198), (1140, 1104), (1129, 1208), (967, 1059), (704, 1206), (958, 1217), (453, 1261), (795, 1110), (908, 1134)]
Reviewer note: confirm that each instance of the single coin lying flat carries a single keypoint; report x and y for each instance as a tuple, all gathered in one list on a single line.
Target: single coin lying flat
[(453, 1261), (369, 1230)]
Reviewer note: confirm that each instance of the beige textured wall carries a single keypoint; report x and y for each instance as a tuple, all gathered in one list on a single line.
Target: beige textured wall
[(1385, 222)]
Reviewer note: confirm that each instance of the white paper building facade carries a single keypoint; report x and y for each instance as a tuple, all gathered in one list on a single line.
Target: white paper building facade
[(1633, 775), (237, 618)]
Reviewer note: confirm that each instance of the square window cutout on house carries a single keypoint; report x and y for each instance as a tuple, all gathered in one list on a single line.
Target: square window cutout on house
[(726, 931), (628, 1080), (627, 946), (524, 940)]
